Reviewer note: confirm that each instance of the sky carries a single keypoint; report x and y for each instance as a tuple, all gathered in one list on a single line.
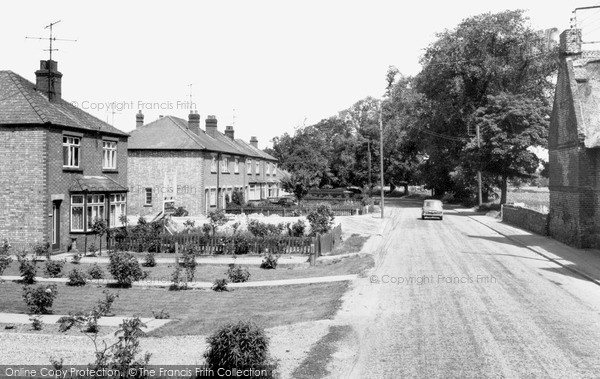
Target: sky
[(266, 67)]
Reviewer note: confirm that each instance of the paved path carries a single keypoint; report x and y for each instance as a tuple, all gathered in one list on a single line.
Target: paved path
[(458, 299)]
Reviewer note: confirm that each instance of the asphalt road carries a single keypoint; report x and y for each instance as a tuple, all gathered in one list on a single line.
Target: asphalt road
[(454, 299)]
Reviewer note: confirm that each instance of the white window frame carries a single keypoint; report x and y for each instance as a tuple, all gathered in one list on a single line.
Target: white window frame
[(274, 173), (78, 205), (71, 151), (148, 191), (109, 155), (268, 168), (213, 164), (118, 207), (95, 208), (257, 168), (236, 166), (249, 166), (225, 164), (213, 197)]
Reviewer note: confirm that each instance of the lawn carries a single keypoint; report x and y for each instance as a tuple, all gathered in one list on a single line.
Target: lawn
[(208, 273), (198, 312), (534, 198)]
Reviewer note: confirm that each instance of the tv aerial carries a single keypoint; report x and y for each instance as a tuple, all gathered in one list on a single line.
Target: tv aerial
[(52, 38)]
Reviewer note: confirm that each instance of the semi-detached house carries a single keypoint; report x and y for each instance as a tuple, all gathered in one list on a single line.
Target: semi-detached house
[(174, 160), (61, 168)]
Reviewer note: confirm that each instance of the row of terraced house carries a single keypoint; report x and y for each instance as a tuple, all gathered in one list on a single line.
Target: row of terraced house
[(62, 168)]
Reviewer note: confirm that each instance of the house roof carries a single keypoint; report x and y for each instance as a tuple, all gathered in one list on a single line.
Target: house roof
[(172, 133), (21, 103), (95, 184)]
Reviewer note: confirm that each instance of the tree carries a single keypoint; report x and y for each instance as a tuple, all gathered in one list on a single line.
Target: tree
[(509, 125), (484, 55)]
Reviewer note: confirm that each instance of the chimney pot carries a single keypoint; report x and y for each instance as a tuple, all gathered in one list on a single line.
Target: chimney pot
[(194, 122), (254, 141), (229, 131), (48, 80), (139, 119), (211, 126)]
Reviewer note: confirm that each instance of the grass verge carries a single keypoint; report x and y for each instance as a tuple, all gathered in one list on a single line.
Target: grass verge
[(198, 312), (352, 244), (315, 364)]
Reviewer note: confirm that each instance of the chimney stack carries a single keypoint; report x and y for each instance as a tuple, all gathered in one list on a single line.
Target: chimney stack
[(229, 131), (139, 119), (48, 80), (254, 141), (570, 42), (211, 126), (194, 122)]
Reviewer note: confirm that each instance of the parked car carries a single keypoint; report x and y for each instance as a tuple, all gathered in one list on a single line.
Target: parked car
[(287, 202), (432, 208)]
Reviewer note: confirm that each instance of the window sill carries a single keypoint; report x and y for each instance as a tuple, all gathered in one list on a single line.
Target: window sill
[(72, 169)]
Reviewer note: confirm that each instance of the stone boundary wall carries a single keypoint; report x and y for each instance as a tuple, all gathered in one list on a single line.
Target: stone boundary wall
[(527, 219)]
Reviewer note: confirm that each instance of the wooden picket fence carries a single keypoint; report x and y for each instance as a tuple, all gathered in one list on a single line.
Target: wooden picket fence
[(319, 245)]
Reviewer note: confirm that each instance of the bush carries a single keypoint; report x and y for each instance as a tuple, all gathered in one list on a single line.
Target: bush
[(177, 282), (180, 212), (54, 268), (220, 285), (42, 250), (95, 272), (262, 229), (76, 278), (149, 260), (320, 219), (28, 270), (125, 268), (104, 305), (188, 262), (75, 259), (298, 228), (242, 345), (5, 258), (36, 322), (39, 299), (269, 261), (237, 274)]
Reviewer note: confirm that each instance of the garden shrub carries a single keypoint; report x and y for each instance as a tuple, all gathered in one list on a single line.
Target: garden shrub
[(76, 259), (188, 263), (217, 218), (177, 282), (298, 228), (237, 274), (269, 261), (95, 272), (125, 268), (36, 322), (261, 229), (104, 305), (242, 345), (39, 298), (42, 250), (76, 278), (320, 219), (220, 285), (5, 259), (28, 269), (54, 268), (180, 212), (92, 249), (149, 260), (241, 244)]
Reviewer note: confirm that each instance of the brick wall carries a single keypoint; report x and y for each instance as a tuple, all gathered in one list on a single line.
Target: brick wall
[(60, 180), (147, 168), (23, 210), (527, 219)]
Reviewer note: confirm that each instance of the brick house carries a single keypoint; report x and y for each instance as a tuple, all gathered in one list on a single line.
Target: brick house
[(574, 146), (61, 167), (171, 159)]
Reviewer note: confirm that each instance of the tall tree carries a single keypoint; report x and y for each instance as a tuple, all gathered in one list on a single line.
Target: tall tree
[(485, 55)]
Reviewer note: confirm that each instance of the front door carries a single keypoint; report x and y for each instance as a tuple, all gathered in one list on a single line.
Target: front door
[(55, 225)]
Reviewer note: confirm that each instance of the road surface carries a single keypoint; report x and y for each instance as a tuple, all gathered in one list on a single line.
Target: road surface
[(454, 299)]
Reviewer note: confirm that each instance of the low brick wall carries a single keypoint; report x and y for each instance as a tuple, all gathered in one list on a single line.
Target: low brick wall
[(527, 219)]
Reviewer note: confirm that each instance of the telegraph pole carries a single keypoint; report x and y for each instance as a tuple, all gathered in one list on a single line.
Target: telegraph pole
[(381, 153), (479, 197)]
